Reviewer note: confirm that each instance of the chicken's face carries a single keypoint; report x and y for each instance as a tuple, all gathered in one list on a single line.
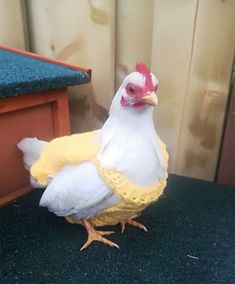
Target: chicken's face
[(139, 89)]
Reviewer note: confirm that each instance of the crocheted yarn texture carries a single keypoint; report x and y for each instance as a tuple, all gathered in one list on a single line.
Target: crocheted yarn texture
[(134, 198)]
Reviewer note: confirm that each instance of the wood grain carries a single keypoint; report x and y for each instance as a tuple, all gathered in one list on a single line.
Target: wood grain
[(44, 115), (207, 90), (134, 26), (189, 44), (172, 45), (226, 169), (12, 24), (82, 33)]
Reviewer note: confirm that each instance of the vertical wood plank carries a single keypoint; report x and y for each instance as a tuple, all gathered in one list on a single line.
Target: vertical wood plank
[(80, 32), (171, 52), (226, 169), (60, 113), (12, 24), (134, 23), (208, 86)]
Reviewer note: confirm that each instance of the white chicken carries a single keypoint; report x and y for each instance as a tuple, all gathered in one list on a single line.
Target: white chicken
[(106, 176)]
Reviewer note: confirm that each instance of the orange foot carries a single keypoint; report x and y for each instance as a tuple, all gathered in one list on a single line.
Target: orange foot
[(132, 222), (94, 235)]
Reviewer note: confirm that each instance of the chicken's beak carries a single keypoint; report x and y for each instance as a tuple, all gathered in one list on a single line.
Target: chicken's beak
[(150, 99)]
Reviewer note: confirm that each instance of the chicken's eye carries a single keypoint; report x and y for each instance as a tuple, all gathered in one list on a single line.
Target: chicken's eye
[(131, 90)]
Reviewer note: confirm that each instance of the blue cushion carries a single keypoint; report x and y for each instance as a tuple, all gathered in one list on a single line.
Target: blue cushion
[(21, 74)]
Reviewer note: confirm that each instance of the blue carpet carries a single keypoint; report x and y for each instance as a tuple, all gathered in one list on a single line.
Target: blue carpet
[(191, 239), (21, 74)]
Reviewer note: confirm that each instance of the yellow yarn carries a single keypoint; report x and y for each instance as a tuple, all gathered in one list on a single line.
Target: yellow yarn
[(134, 198), (62, 151), (78, 148)]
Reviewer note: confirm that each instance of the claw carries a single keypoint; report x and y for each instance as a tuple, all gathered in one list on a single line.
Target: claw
[(94, 235), (134, 223)]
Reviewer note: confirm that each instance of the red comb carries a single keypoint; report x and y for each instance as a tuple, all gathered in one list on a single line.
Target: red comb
[(143, 69)]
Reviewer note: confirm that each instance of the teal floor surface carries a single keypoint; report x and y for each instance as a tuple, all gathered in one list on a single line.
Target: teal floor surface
[(191, 239)]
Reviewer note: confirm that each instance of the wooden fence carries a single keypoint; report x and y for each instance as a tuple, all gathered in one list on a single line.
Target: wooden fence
[(189, 44)]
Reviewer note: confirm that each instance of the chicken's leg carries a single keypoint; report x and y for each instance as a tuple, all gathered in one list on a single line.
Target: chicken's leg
[(132, 222), (94, 235)]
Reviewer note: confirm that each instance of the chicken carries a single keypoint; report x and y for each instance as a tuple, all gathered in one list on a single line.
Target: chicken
[(107, 176)]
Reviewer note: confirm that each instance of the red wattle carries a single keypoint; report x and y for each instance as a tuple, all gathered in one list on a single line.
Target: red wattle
[(124, 102)]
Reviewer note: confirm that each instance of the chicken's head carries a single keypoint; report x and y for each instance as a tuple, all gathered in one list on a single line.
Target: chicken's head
[(139, 88)]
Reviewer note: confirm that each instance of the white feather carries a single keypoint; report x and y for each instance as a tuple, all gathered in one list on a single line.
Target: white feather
[(31, 148), (79, 191)]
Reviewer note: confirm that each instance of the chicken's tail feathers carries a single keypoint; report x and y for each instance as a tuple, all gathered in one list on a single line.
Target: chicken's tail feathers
[(31, 148)]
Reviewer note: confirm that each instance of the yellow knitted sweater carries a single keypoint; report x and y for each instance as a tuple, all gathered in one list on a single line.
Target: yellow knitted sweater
[(67, 150)]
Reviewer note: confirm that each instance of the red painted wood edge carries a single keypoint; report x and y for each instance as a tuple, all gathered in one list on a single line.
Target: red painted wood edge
[(57, 98), (47, 59), (14, 195), (29, 100)]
